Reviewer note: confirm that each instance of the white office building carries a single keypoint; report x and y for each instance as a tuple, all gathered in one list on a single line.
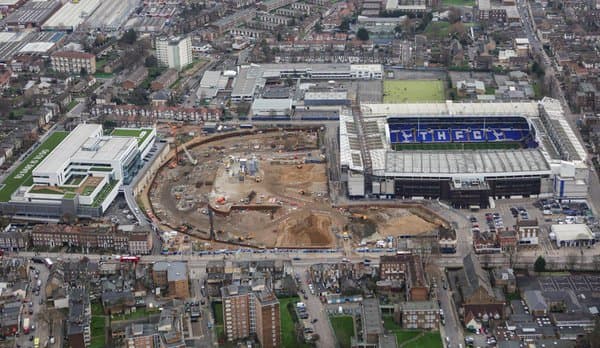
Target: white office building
[(174, 52), (83, 173)]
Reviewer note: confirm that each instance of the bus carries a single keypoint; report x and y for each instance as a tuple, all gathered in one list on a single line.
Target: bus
[(36, 342), (48, 263), (134, 259), (246, 125)]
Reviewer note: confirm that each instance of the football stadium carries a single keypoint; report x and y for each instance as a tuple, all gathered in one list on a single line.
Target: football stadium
[(466, 153)]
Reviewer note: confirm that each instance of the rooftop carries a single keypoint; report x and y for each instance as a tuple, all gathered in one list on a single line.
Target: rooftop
[(73, 54), (572, 232), (21, 176), (68, 147), (71, 15), (435, 163), (176, 271), (371, 316), (139, 133)]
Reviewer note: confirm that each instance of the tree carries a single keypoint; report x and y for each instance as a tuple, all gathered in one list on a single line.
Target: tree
[(362, 34), (398, 29), (151, 62), (83, 72), (318, 27), (453, 15), (540, 264), (129, 37), (537, 69), (345, 25), (457, 28)]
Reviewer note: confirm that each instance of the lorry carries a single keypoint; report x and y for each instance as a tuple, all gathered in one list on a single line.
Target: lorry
[(26, 325)]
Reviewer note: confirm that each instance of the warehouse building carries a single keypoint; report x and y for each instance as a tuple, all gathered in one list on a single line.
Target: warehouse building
[(71, 15), (32, 14), (252, 78), (572, 235)]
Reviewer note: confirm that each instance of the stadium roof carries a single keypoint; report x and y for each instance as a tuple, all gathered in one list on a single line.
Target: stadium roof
[(450, 108), (561, 132), (444, 163)]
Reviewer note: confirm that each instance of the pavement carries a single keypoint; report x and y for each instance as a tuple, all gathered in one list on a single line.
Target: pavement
[(45, 324), (453, 328), (316, 310)]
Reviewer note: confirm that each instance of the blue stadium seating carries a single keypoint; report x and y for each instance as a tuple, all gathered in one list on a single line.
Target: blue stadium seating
[(460, 129)]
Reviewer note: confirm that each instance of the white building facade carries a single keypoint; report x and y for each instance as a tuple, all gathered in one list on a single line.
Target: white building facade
[(176, 52)]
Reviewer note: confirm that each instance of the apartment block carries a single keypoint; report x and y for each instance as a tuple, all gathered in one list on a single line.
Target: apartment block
[(92, 237), (175, 52), (78, 322), (72, 62), (248, 311), (418, 315)]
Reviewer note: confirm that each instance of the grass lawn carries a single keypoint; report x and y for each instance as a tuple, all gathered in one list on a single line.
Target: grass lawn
[(411, 91), (288, 334), (429, 340), (343, 327), (406, 335), (389, 324), (47, 191), (437, 30), (140, 133), (22, 174), (104, 193), (513, 296), (449, 3), (97, 331), (102, 75), (71, 105), (139, 313), (218, 313), (401, 334)]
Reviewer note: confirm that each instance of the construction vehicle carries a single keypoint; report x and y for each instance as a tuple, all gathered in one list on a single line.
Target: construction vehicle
[(359, 216), (257, 179)]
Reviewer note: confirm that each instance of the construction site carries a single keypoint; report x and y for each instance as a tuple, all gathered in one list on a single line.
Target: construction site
[(266, 189)]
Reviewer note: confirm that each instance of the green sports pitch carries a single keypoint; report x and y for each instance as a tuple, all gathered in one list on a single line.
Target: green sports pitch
[(492, 145), (413, 91)]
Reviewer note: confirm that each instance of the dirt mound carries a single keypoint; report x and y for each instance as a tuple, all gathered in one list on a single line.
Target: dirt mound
[(403, 225), (309, 176), (305, 230)]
